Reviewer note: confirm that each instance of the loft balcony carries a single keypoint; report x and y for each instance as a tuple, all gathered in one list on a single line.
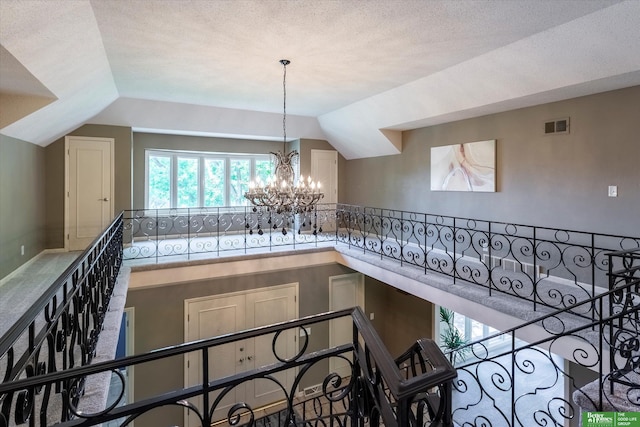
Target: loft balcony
[(575, 295)]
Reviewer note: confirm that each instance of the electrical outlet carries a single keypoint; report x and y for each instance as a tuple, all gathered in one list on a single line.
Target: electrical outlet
[(302, 334), (613, 191)]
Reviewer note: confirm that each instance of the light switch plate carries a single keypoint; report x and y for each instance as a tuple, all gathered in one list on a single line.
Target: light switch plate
[(613, 191)]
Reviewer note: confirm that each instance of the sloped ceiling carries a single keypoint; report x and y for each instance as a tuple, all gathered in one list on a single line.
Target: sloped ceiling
[(361, 72)]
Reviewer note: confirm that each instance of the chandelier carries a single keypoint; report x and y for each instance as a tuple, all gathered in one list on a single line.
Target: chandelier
[(281, 194)]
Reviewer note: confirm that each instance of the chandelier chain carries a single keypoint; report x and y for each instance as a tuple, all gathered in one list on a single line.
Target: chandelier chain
[(284, 104)]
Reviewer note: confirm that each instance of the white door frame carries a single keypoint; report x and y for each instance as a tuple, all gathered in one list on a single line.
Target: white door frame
[(130, 351), (111, 142), (360, 303)]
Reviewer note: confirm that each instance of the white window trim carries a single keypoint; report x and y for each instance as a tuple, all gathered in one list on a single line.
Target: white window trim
[(174, 154)]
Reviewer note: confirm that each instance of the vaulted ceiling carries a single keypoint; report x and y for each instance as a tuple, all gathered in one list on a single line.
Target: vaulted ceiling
[(361, 71)]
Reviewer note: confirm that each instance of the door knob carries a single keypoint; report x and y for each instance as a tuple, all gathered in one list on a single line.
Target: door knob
[(241, 360), (106, 199)]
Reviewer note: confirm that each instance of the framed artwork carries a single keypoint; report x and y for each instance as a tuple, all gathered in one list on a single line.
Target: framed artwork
[(464, 167)]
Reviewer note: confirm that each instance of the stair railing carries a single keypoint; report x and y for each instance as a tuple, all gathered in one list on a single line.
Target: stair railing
[(60, 330), (375, 390), (624, 281)]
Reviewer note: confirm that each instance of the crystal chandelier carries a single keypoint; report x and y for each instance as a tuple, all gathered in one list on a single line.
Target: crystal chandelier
[(281, 194)]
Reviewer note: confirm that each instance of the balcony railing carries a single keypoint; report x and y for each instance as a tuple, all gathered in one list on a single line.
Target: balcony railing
[(545, 266)]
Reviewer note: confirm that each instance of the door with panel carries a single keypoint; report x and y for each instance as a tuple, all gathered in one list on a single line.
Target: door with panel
[(211, 317), (89, 189), (218, 315), (266, 308)]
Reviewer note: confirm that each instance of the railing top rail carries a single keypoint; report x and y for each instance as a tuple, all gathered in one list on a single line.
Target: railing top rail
[(15, 331), (538, 227), (173, 350), (633, 252)]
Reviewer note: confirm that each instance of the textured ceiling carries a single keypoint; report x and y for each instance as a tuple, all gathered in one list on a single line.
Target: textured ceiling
[(361, 71)]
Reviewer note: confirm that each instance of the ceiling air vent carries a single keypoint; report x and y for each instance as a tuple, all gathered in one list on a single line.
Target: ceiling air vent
[(557, 126)]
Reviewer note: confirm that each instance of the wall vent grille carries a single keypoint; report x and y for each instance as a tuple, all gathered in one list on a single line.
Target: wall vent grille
[(513, 265), (313, 390), (557, 126)]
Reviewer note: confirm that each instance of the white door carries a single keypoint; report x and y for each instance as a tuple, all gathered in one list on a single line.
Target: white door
[(324, 169), (218, 315), (90, 189), (345, 291), (212, 317), (267, 307)]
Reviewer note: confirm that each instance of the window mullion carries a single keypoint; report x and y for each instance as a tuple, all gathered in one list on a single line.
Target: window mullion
[(174, 180), (227, 180), (147, 190), (252, 168), (200, 181)]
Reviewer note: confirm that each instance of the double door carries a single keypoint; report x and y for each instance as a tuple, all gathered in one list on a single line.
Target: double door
[(218, 315)]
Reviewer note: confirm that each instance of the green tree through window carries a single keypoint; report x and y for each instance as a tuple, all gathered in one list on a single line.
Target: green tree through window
[(214, 173), (159, 182), (239, 181), (187, 183)]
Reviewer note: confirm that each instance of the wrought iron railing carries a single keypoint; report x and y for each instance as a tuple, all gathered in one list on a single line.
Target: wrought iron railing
[(624, 281), (523, 384), (472, 251), (190, 233), (546, 266), (60, 330), (376, 388)]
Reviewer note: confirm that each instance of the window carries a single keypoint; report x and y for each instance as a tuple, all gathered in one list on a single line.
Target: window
[(180, 179), (472, 330)]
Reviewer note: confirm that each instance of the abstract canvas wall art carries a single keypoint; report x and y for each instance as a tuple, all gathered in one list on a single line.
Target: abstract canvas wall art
[(464, 167)]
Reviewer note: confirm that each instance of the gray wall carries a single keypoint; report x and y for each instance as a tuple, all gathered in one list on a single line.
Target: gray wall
[(55, 159), (552, 180), (400, 318), (22, 202)]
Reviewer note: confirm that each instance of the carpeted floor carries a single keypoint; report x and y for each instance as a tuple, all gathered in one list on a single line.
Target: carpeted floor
[(22, 288)]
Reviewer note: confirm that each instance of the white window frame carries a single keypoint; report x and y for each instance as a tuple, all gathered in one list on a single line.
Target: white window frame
[(201, 156)]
